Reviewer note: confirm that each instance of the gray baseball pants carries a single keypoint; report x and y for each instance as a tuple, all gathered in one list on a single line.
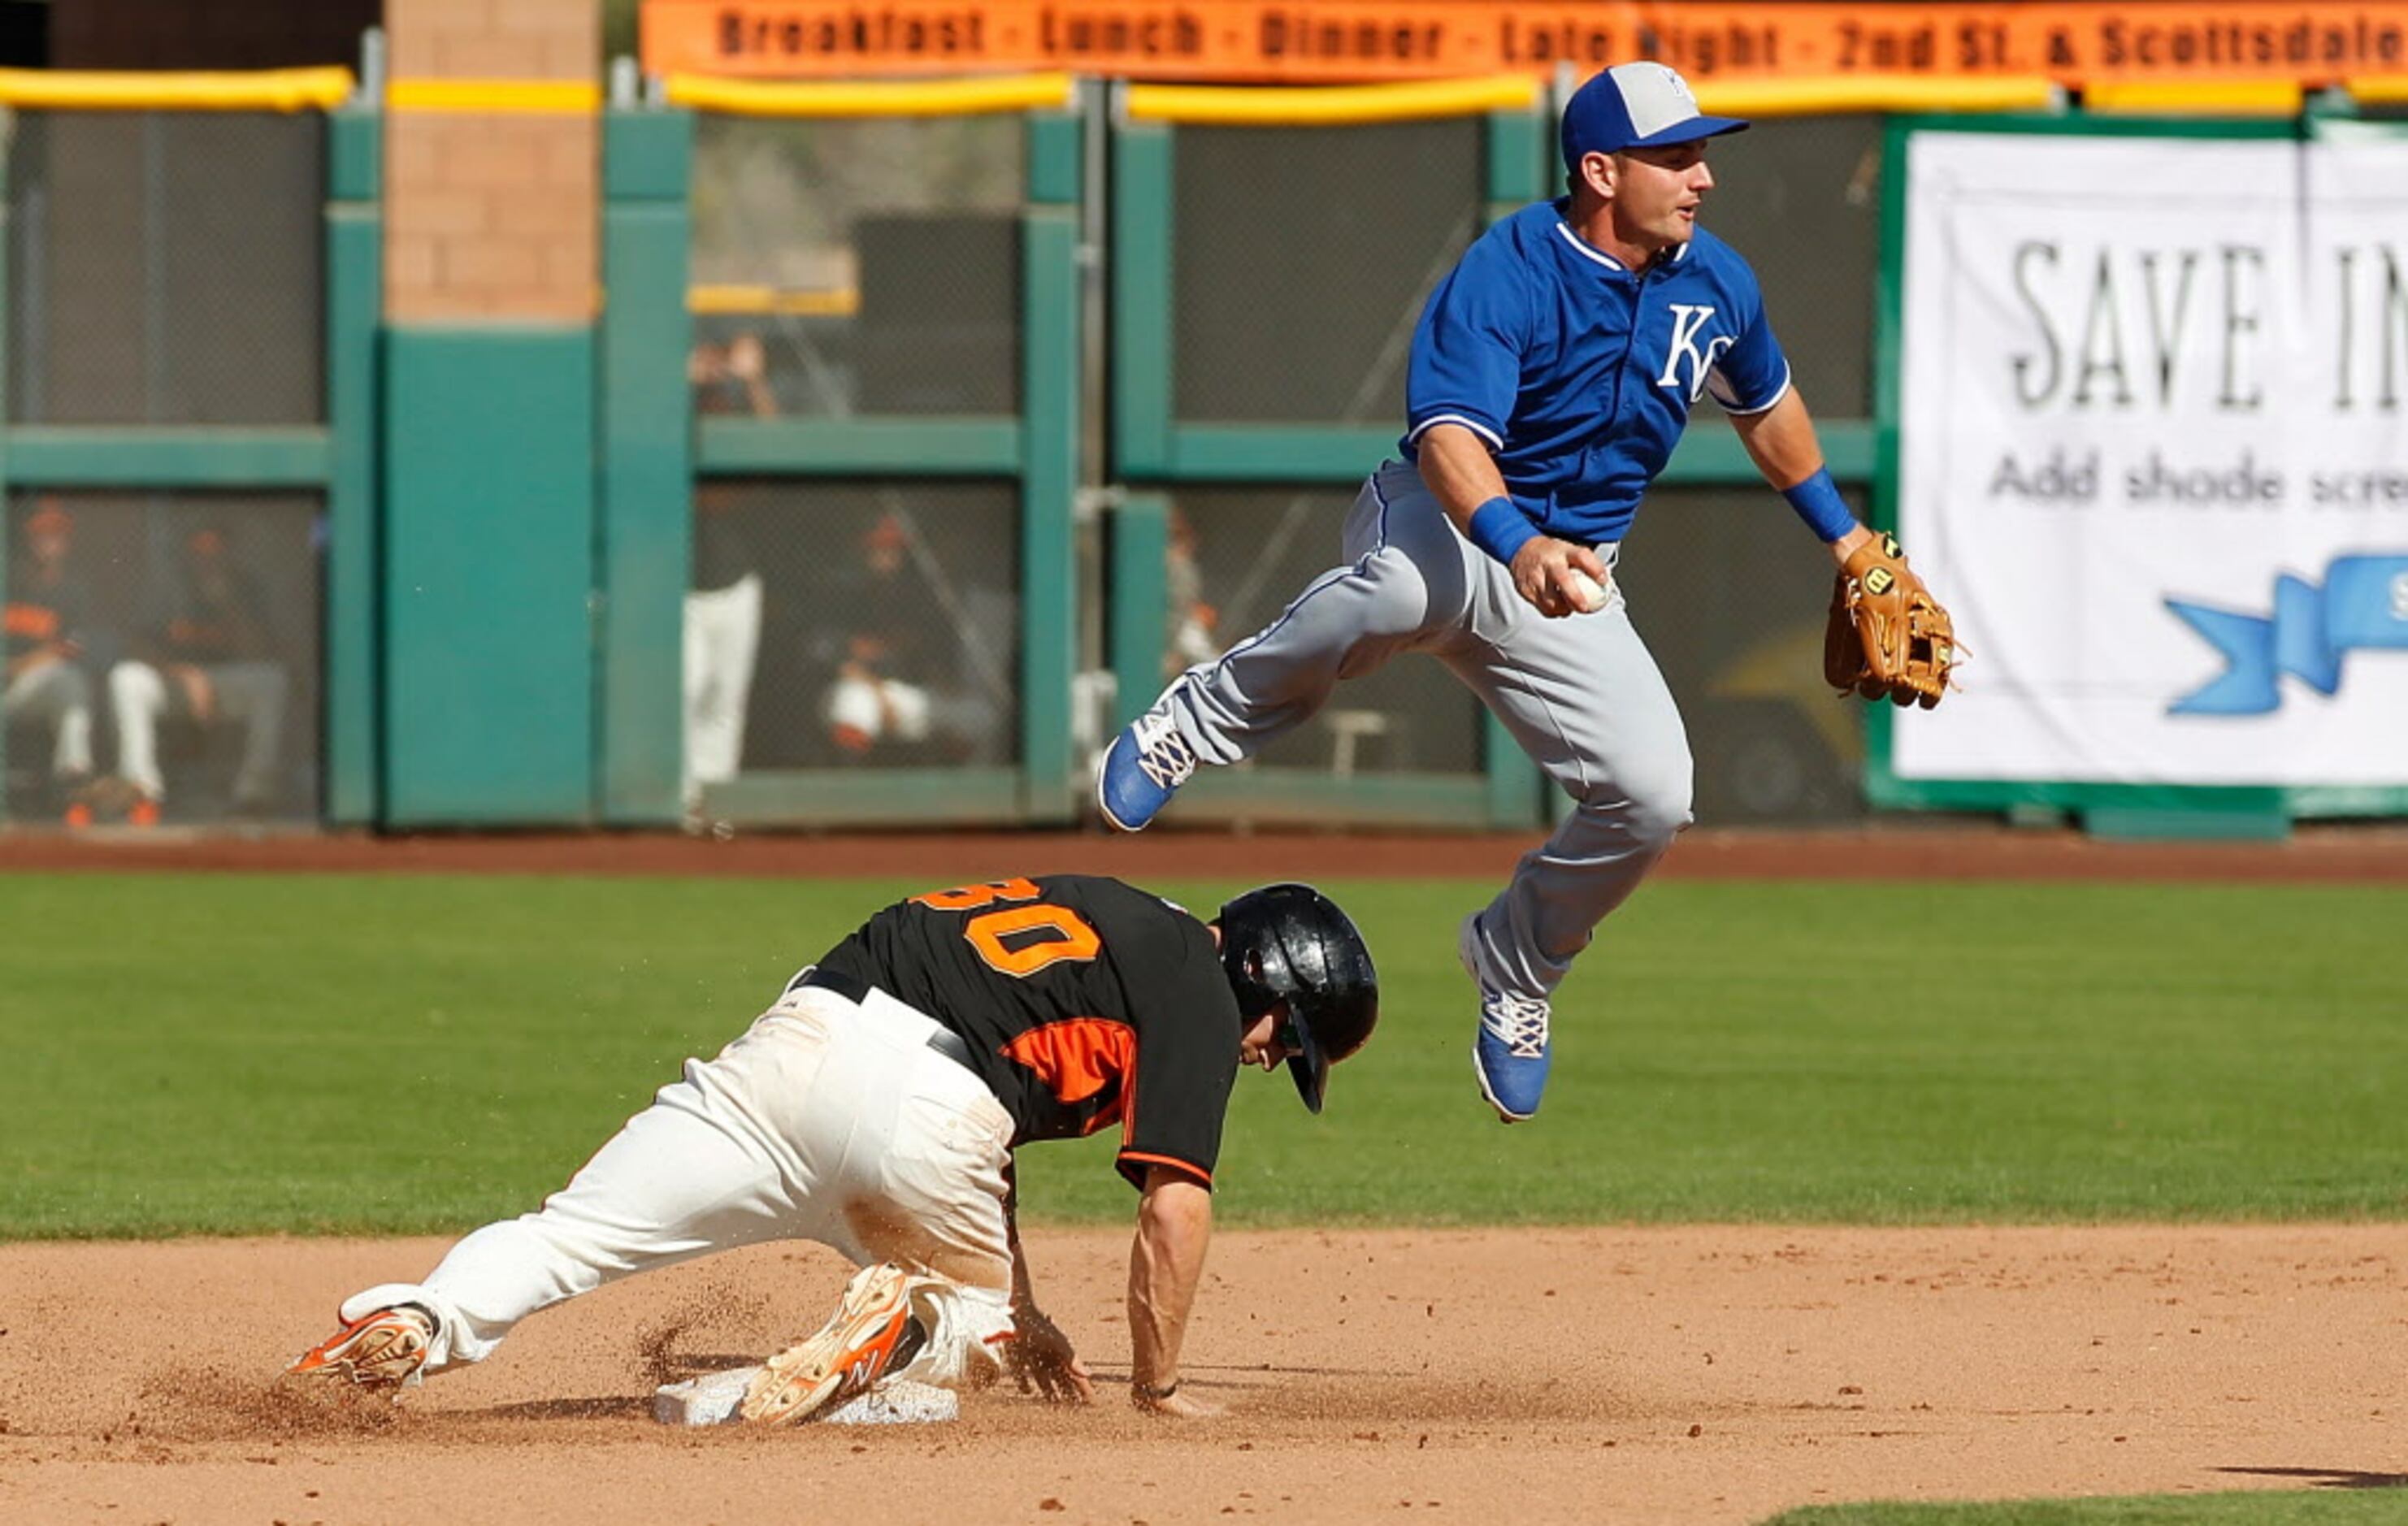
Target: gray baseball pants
[(59, 692), (1581, 694)]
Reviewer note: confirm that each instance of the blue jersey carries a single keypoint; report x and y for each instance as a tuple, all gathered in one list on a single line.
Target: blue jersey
[(1580, 372)]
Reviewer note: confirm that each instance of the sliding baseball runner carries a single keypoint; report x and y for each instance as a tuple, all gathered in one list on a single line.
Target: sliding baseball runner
[(875, 1108)]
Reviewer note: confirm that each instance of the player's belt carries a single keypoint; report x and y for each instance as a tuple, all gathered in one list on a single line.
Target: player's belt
[(836, 982)]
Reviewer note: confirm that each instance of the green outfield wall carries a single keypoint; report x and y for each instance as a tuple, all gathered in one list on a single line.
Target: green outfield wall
[(1134, 448)]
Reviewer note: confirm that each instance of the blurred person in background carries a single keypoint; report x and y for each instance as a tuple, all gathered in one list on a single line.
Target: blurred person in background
[(212, 661), (732, 378), (45, 681), (722, 603), (890, 694)]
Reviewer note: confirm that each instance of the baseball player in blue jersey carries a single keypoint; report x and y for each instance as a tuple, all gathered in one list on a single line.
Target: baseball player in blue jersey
[(1552, 374)]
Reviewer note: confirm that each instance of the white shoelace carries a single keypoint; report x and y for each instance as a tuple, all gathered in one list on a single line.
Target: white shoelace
[(1520, 1022), (1162, 753)]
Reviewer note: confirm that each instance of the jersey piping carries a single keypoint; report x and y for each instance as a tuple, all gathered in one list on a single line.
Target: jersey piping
[(1735, 411), (1496, 441), (1202, 1177)]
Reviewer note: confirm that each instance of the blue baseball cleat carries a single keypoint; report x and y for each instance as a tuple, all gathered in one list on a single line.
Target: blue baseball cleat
[(1511, 1052), (1141, 770)]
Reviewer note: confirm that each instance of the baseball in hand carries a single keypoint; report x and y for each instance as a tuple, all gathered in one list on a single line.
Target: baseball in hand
[(1588, 593)]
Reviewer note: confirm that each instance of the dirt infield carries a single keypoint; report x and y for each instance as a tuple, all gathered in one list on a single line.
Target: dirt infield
[(1916, 850), (1658, 1374), (1683, 1375)]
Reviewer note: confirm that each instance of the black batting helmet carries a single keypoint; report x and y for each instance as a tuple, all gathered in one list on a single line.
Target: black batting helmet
[(1291, 943)]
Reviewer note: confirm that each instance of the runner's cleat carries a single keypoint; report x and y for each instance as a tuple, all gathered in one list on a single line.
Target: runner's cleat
[(871, 1334), (384, 1350)]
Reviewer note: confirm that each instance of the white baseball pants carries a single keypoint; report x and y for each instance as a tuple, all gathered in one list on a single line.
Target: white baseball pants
[(1581, 694), (827, 1120), (251, 693), (722, 637)]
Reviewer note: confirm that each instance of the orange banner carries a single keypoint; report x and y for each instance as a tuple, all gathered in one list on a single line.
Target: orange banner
[(1329, 40)]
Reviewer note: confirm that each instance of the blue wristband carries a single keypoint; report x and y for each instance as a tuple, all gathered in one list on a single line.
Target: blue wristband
[(1817, 502), (1499, 528)]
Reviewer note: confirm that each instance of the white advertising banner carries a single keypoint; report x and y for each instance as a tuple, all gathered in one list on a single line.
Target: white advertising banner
[(2154, 456)]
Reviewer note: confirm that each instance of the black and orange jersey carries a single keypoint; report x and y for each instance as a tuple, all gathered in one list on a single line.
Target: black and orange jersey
[(1086, 1002), (37, 618), (218, 617)]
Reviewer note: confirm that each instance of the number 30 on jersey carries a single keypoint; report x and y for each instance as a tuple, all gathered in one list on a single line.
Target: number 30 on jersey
[(1017, 939)]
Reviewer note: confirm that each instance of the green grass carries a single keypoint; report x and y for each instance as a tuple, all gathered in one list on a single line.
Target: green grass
[(2376, 1500), (234, 1054)]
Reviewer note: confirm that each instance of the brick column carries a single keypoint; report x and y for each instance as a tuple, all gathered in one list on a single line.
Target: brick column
[(491, 163), (489, 366)]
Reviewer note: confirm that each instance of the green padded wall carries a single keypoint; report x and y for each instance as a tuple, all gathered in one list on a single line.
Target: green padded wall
[(489, 474), (647, 484)]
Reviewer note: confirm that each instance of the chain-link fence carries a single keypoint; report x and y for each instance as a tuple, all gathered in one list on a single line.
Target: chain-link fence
[(165, 267), (1299, 262), (1800, 198), (851, 267), (1302, 259), (1297, 282), (164, 657), (1729, 593), (887, 616), (1253, 550)]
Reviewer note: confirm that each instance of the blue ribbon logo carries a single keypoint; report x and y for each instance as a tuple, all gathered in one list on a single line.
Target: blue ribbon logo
[(2363, 606)]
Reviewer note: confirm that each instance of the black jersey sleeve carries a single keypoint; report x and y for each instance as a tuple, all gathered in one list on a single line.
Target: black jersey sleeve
[(1188, 1031)]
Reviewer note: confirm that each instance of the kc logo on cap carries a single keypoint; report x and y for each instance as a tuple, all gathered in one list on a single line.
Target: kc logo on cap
[(1636, 106)]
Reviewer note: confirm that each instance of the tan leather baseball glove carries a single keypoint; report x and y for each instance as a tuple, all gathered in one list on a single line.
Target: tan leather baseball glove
[(1887, 635)]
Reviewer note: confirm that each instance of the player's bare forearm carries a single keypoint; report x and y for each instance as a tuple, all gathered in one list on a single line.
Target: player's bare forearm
[(1039, 1358), (1024, 1293), (1458, 471), (1782, 442), (1461, 475), (1174, 1224)]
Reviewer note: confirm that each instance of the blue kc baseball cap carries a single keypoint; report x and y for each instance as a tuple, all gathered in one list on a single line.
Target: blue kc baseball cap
[(1636, 106)]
